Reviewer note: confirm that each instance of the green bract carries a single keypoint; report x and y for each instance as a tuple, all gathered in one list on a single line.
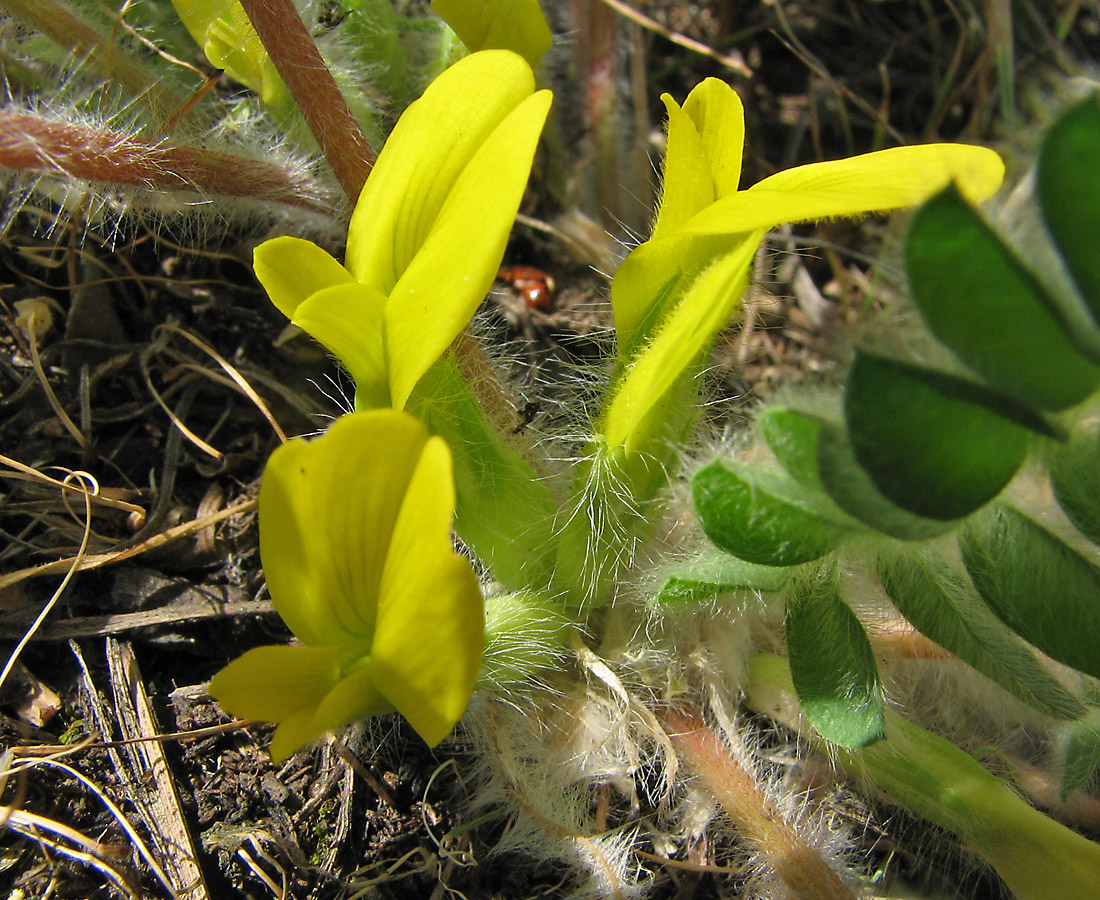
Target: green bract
[(355, 538), (428, 231)]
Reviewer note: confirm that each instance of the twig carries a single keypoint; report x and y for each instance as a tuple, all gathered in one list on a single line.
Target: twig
[(682, 40)]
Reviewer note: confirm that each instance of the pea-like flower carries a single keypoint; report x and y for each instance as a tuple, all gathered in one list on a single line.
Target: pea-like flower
[(428, 231), (675, 292), (355, 540)]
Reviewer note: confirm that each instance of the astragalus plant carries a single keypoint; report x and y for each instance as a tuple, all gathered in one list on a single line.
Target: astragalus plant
[(638, 588)]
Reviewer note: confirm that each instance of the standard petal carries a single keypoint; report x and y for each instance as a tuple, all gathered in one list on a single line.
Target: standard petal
[(517, 25), (719, 117), (347, 319), (686, 186), (428, 149), (431, 622), (327, 513), (874, 182), (291, 269), (448, 279)]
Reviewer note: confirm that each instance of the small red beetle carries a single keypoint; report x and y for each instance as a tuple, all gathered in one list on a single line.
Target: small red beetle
[(535, 286)]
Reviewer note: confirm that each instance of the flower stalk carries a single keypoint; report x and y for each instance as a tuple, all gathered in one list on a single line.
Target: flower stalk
[(307, 77)]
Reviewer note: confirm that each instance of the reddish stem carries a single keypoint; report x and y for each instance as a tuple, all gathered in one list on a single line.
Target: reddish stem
[(292, 49), (759, 821), (31, 143)]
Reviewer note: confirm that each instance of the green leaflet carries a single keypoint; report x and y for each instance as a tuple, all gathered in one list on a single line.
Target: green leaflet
[(979, 299), (761, 517), (704, 579), (943, 606), (832, 665), (852, 489), (1075, 476), (792, 437), (1079, 748), (933, 444), (1069, 194), (1037, 585)]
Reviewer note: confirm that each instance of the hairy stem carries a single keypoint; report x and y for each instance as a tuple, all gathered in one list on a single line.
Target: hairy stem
[(292, 49), (31, 143), (758, 820)]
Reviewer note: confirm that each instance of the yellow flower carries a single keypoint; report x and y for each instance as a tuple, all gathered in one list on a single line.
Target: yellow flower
[(428, 231), (355, 539), (675, 292)]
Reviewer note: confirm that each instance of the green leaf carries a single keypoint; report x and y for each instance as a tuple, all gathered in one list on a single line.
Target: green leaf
[(1080, 752), (705, 578), (832, 665), (1075, 475), (792, 437), (1069, 194), (942, 605), (979, 299), (516, 25), (761, 517), (933, 444), (852, 489), (1037, 585)]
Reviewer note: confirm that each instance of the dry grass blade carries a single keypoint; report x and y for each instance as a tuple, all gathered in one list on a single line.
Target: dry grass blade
[(734, 63), (74, 564), (55, 404), (98, 560), (32, 826), (95, 496), (238, 379)]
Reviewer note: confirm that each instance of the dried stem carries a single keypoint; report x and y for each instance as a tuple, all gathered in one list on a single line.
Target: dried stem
[(759, 822), (292, 49), (66, 29), (32, 143)]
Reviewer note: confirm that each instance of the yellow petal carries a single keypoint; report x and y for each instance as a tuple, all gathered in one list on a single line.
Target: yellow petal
[(347, 319), (327, 513), (429, 147), (517, 25), (719, 117), (431, 621), (454, 268), (874, 182), (271, 683), (291, 269), (687, 186), (677, 344)]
